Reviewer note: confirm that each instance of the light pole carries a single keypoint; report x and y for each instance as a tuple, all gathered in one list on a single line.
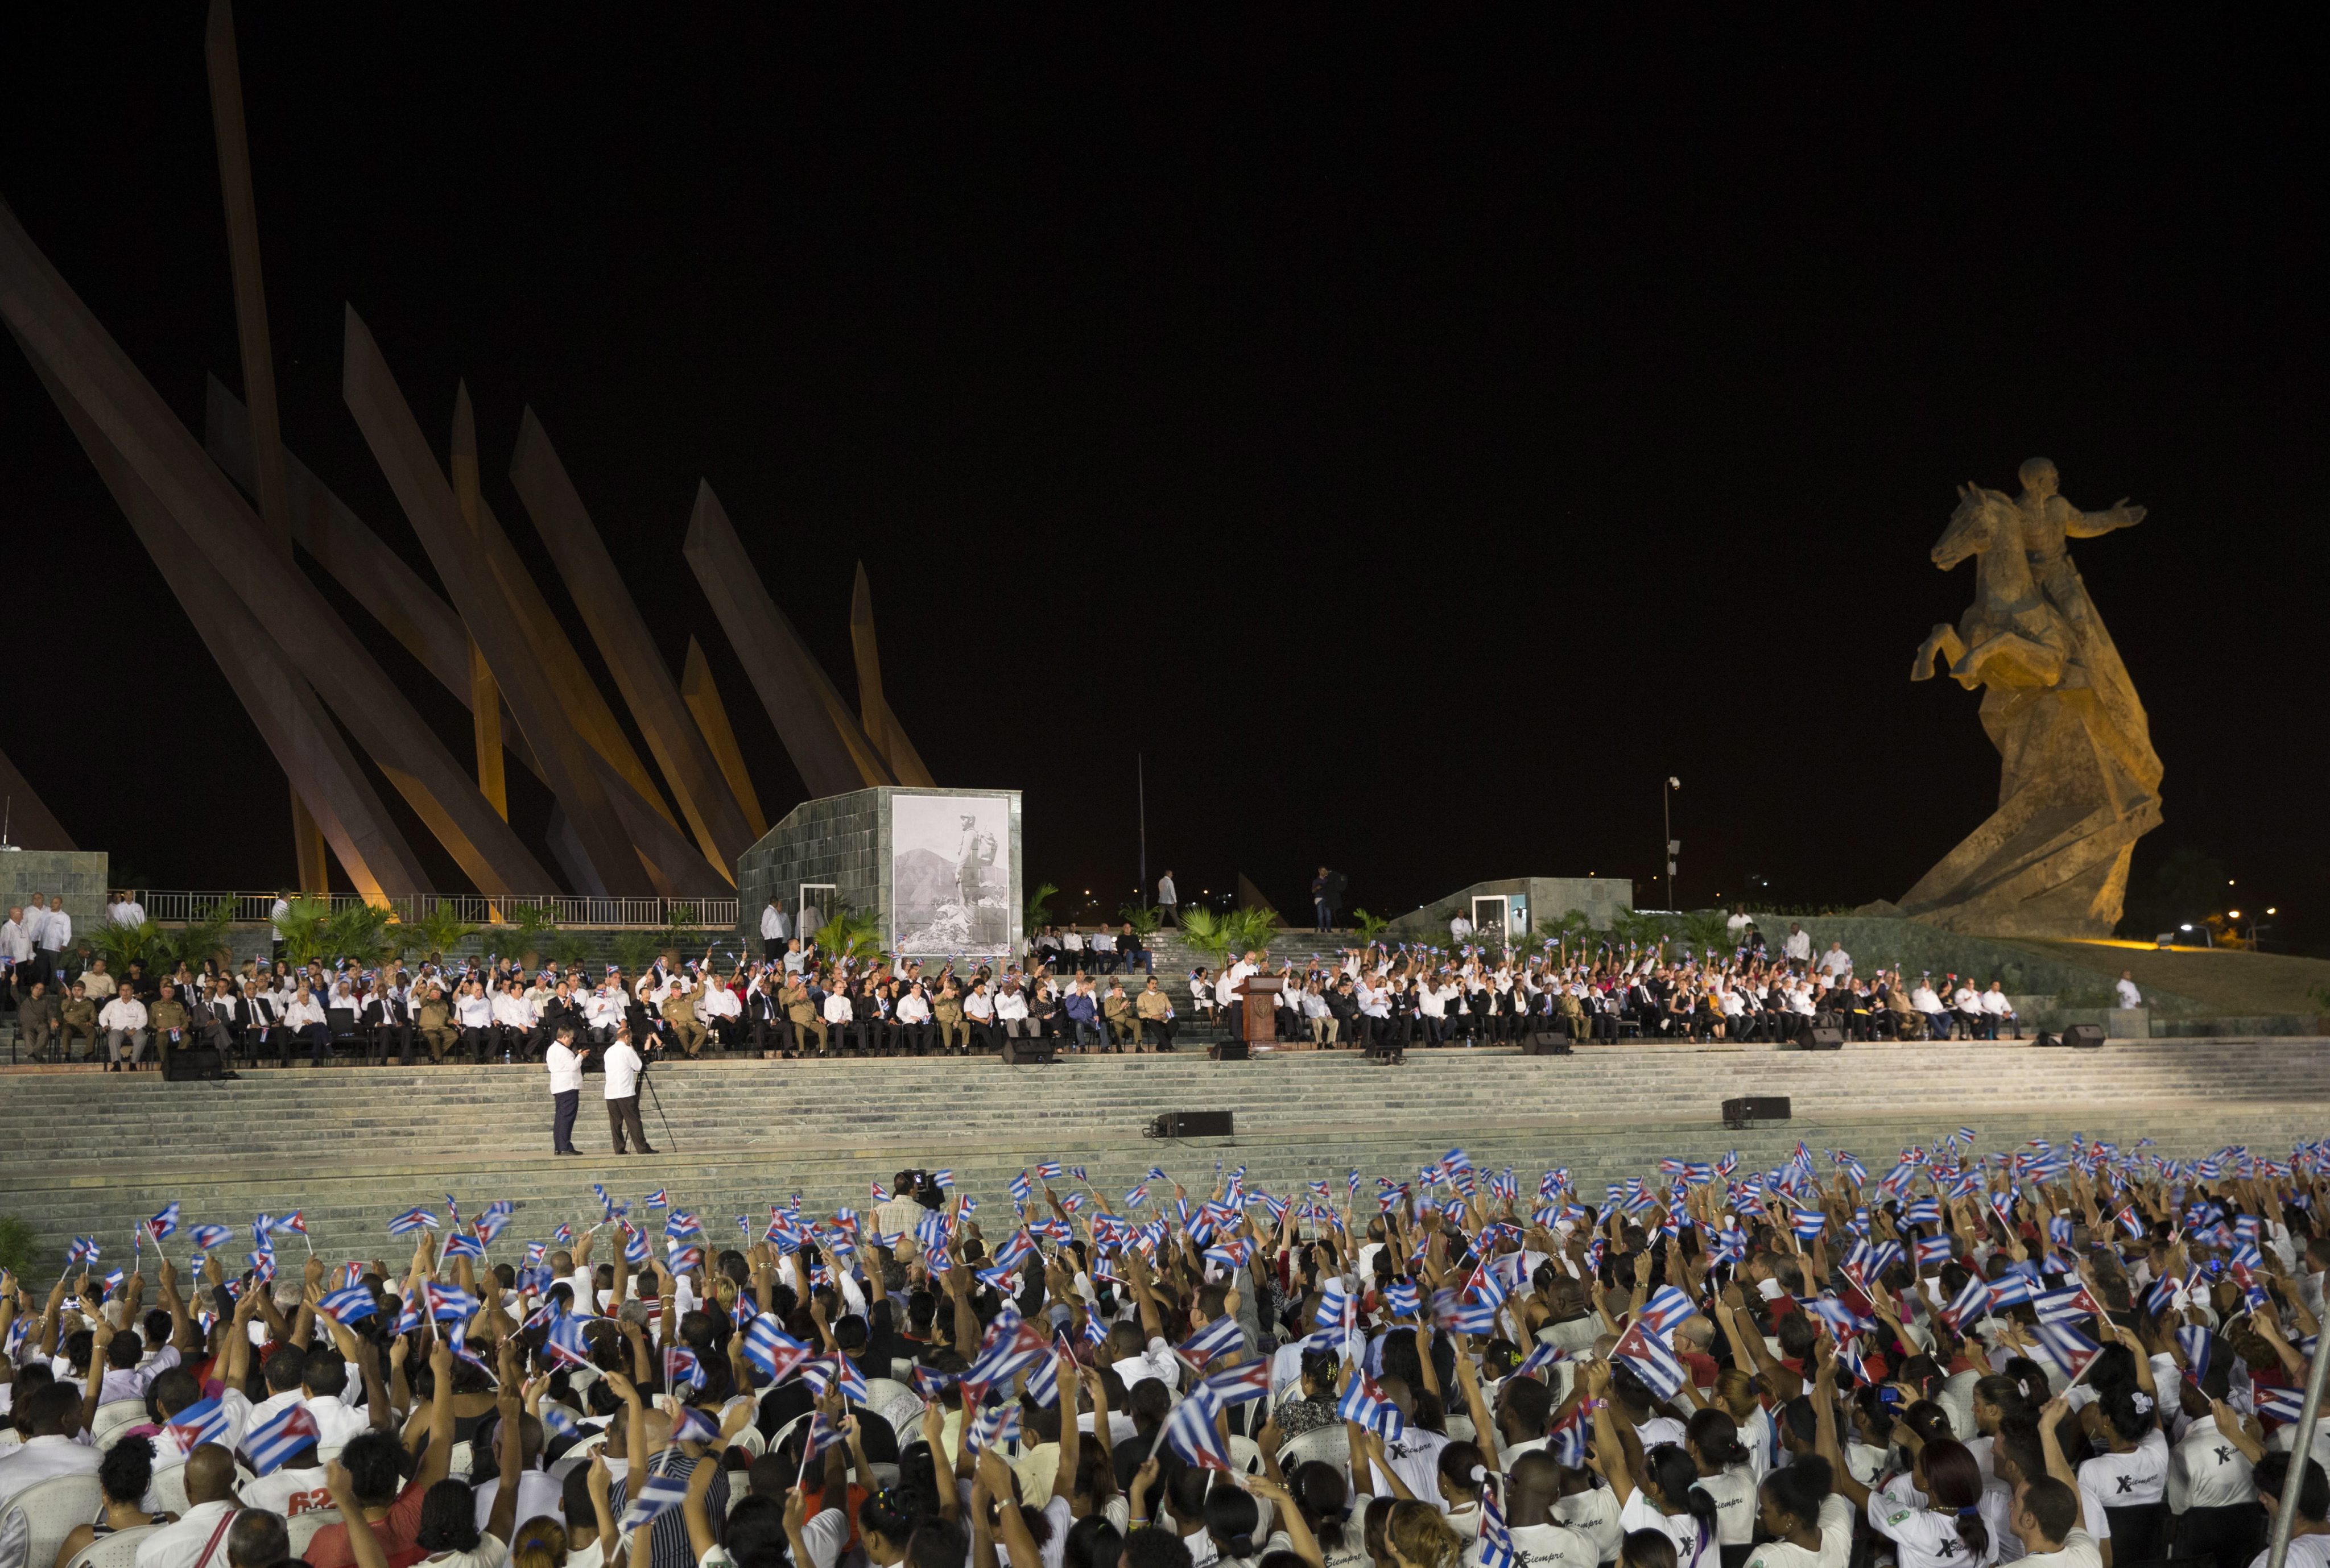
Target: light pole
[(1674, 844)]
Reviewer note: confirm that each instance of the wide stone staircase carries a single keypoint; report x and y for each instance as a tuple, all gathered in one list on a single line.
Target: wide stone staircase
[(90, 1153)]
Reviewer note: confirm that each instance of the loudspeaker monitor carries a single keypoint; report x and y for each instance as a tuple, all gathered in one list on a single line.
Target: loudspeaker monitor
[(1546, 1045), (1756, 1111), (1026, 1053), (1820, 1037), (1195, 1124), (2086, 1036), (192, 1063)]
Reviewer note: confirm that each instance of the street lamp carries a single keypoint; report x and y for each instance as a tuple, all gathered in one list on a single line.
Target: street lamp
[(1674, 844)]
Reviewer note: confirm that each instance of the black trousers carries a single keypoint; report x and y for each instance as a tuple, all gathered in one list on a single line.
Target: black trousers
[(477, 1040), (2232, 1536), (623, 1116), (563, 1106)]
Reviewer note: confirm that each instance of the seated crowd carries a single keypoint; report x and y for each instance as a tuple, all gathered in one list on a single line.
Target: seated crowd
[(2073, 1358), (1391, 997)]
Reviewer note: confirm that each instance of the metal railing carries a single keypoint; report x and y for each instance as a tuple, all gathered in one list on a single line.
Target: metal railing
[(173, 907)]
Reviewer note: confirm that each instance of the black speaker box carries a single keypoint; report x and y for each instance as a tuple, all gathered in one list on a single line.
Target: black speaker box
[(1751, 1110), (1820, 1037), (2049, 1041), (1552, 1044), (190, 1062), (1195, 1124), (1228, 1051), (2086, 1036), (1026, 1053)]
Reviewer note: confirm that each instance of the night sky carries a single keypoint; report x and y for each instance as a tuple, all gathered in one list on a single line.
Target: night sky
[(1417, 439)]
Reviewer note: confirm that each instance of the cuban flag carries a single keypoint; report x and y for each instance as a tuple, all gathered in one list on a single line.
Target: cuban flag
[(567, 1346), (1022, 1189), (1647, 1356), (412, 1220), (1970, 1306), (1461, 1317), (464, 1247), (115, 1280), (1667, 1307), (1808, 1223), (681, 1369), (1401, 1297), (208, 1236), (450, 1303), (1925, 1211), (944, 1180), (1044, 1379), (295, 1222), (692, 1426), (1496, 1539), (260, 1263), (350, 1304), (409, 1316), (2012, 1289), (2067, 1305), (2195, 1341), (490, 1224), (1237, 1384), (163, 1225), (203, 1422), (1215, 1337), (660, 1497), (2130, 1223), (635, 1248), (1568, 1441), (1363, 1404), (1728, 1245), (679, 1223), (1541, 1358), (687, 1261), (659, 1199), (2281, 1405), (1190, 1433), (292, 1430), (2068, 1348), (1934, 1250)]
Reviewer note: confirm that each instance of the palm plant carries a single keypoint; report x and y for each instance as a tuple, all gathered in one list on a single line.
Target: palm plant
[(358, 932), (529, 924), (436, 933), (1144, 920), (305, 939), (121, 946), (636, 951), (1207, 933), (850, 935), (569, 950), (205, 938), (680, 932), (1039, 912), (1369, 926)]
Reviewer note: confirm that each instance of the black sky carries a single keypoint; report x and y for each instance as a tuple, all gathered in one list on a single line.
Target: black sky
[(1418, 437)]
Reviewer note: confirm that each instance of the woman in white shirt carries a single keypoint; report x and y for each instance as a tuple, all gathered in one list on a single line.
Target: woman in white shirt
[(2134, 1473), (1933, 1516), (1663, 1496), (1728, 1474), (1810, 1526)]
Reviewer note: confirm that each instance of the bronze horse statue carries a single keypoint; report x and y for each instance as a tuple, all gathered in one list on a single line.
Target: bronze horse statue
[(2012, 635)]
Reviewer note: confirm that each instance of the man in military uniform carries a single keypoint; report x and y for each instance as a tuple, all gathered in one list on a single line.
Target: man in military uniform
[(169, 1021), (80, 1017), (680, 1012), (437, 1023), (802, 1011), (947, 1011), (39, 1018)]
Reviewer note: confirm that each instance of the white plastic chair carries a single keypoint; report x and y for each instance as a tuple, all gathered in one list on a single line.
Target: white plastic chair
[(169, 1489), (113, 1418), (751, 1441), (302, 1527), (118, 1550), (51, 1510), (1245, 1455), (1327, 1444), (882, 1392), (458, 1464)]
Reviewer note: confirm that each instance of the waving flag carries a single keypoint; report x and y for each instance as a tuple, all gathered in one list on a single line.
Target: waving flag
[(350, 1305), (163, 1225), (450, 1302), (1190, 1433), (1568, 1441), (635, 1247), (1496, 1539), (658, 1496), (464, 1247), (1648, 1357), (2196, 1341), (1401, 1298), (1364, 1405), (2067, 1305), (494, 1221), (998, 1423), (1542, 1355), (2283, 1405), (203, 1422), (1934, 1250), (296, 1222), (1925, 1211), (568, 1345), (412, 1220), (1667, 1307), (208, 1236), (291, 1431), (1221, 1335), (1969, 1306), (679, 1223), (1237, 1384), (2011, 1290), (1808, 1223), (681, 1369), (2069, 1348)]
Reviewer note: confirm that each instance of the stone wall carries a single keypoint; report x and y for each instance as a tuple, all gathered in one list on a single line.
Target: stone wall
[(1600, 898), (77, 873)]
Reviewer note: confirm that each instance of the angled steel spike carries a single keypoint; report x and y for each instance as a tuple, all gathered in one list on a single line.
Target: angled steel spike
[(823, 739), (882, 726), (702, 699), (289, 716), (484, 695), (613, 617), (53, 325), (427, 626), (374, 576), (402, 452), (257, 358), (24, 821)]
